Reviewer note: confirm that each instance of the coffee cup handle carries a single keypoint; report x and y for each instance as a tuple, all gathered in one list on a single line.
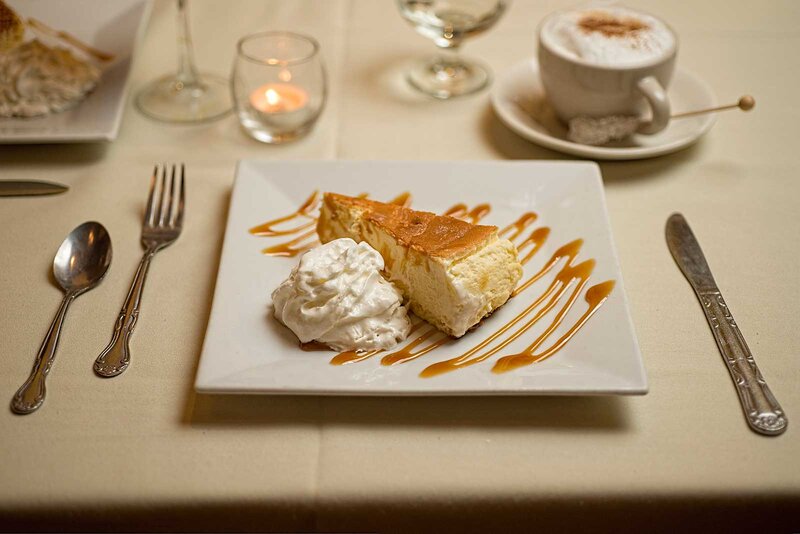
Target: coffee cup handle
[(659, 104)]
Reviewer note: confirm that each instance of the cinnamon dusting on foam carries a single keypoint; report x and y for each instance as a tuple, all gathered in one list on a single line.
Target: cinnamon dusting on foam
[(611, 25)]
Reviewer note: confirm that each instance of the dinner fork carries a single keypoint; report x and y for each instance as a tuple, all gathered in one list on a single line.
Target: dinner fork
[(162, 224)]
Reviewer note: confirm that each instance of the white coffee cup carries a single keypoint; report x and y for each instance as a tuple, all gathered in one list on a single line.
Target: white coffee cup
[(594, 73)]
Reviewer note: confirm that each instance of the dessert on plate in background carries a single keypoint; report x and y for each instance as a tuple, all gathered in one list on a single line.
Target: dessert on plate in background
[(38, 79)]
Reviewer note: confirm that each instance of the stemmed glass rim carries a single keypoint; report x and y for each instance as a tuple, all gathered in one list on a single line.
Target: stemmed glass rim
[(273, 61)]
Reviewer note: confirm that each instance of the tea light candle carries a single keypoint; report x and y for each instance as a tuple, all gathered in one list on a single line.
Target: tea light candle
[(278, 98)]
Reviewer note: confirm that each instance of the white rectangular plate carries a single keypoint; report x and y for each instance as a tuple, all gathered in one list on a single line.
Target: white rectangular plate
[(247, 351), (112, 27)]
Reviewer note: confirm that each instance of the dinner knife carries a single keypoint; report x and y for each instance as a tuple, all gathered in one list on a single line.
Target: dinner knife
[(762, 411), (16, 188)]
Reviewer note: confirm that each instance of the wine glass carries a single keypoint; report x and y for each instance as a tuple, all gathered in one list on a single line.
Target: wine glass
[(448, 23), (186, 96)]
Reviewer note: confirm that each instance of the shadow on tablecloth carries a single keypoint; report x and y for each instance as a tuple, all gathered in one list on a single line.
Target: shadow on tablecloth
[(601, 514), (586, 413)]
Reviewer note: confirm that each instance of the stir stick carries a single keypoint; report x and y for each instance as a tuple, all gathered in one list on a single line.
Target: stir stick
[(601, 130), (745, 103)]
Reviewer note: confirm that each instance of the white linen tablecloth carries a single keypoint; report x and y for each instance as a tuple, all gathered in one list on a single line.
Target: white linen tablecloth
[(144, 451)]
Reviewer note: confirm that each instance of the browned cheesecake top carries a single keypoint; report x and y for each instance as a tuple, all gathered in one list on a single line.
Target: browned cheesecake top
[(435, 235)]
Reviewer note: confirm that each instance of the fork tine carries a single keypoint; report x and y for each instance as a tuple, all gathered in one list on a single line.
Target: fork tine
[(170, 199), (151, 198), (181, 198), (159, 218), (159, 195)]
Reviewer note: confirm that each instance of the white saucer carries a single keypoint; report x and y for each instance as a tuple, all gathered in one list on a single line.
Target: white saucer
[(519, 101)]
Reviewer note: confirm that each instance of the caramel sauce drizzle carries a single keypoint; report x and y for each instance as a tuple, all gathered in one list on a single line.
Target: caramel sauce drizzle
[(457, 210), (477, 213), (306, 210), (558, 287), (406, 354), (595, 297), (518, 226), (292, 248), (536, 239), (570, 250), (462, 211), (403, 199), (429, 338), (352, 356)]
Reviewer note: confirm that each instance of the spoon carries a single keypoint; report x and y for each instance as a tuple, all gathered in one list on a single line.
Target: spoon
[(80, 263)]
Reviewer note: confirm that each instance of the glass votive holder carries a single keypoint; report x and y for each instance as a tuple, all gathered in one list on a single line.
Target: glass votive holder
[(279, 85)]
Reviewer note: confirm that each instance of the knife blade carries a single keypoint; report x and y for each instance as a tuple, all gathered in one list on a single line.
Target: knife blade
[(761, 409), (17, 188)]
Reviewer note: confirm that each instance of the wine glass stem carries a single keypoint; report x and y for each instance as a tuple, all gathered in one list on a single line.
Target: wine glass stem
[(449, 58), (187, 72)]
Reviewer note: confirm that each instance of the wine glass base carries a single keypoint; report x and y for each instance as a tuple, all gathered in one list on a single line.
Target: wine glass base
[(446, 78), (167, 99)]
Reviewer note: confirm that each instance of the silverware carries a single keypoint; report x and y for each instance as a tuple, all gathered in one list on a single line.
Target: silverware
[(80, 264), (763, 413), (162, 224), (17, 188)]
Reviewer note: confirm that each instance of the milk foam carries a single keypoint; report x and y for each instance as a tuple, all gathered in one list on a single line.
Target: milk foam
[(570, 34)]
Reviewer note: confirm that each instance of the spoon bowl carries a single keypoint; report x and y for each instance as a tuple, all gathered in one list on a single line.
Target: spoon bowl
[(83, 258)]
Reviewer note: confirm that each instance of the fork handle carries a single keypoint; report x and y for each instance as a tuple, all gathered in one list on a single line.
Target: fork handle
[(116, 357)]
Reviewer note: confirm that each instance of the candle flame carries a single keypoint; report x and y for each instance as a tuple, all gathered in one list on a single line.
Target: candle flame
[(272, 96)]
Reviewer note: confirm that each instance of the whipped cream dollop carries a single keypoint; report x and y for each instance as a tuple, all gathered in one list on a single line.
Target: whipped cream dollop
[(336, 295)]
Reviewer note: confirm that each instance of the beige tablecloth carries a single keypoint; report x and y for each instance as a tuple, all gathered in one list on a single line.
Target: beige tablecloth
[(145, 451)]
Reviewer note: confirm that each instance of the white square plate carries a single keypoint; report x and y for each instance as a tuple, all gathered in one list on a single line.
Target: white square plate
[(112, 27), (247, 351)]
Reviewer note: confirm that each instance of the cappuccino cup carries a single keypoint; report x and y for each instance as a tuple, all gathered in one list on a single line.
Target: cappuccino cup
[(606, 61)]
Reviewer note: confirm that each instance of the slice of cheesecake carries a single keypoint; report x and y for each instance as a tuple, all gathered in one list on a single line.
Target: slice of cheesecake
[(453, 273)]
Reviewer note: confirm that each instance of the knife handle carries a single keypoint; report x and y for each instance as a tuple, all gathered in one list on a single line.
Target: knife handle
[(763, 413)]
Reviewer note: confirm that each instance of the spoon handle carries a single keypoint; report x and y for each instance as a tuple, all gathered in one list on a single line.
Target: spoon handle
[(30, 396), (116, 357)]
